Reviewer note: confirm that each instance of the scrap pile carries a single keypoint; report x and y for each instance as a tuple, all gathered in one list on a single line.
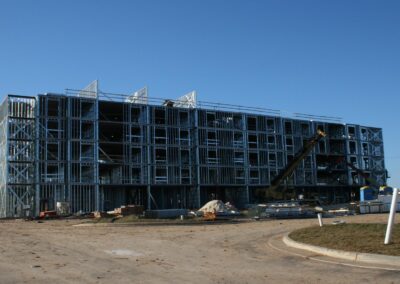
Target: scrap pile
[(62, 210), (129, 210), (216, 209), (121, 211)]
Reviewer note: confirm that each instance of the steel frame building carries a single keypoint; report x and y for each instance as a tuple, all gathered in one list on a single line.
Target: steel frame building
[(98, 151)]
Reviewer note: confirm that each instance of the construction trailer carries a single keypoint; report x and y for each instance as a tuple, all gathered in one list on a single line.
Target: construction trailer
[(98, 151)]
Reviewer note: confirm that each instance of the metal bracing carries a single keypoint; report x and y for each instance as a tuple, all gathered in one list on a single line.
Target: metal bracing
[(17, 156), (365, 150), (138, 97), (51, 159), (187, 101), (3, 160), (83, 154), (90, 91)]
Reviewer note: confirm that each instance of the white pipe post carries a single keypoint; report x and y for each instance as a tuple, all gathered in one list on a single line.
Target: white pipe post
[(320, 219), (392, 214)]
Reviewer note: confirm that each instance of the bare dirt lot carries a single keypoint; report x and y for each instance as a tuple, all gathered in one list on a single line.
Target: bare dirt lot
[(57, 251)]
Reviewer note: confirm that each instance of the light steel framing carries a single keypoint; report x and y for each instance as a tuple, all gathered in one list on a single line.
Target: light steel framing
[(98, 151), (17, 154)]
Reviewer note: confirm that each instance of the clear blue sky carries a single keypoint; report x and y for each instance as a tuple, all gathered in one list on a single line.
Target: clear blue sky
[(337, 58)]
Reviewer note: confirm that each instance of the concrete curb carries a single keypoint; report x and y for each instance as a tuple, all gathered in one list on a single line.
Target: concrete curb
[(347, 255)]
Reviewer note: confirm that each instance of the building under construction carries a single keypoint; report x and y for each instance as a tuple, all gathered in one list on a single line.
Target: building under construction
[(98, 151)]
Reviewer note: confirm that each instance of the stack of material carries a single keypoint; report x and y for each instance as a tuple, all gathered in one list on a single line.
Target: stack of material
[(340, 212), (129, 210), (292, 209)]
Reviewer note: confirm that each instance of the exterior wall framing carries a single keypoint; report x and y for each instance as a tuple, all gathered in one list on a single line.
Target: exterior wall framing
[(17, 188), (98, 151)]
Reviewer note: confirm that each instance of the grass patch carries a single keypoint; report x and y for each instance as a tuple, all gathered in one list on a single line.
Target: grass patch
[(367, 238)]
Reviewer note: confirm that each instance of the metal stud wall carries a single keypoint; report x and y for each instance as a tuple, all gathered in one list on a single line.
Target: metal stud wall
[(99, 151), (18, 156)]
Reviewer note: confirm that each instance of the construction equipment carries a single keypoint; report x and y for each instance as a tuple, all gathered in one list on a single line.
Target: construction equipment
[(293, 209), (288, 170), (374, 197), (367, 178)]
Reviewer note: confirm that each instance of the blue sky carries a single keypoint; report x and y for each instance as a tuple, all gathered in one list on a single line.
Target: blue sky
[(336, 58)]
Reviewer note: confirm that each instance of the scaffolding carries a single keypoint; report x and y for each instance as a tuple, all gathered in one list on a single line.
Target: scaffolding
[(98, 151)]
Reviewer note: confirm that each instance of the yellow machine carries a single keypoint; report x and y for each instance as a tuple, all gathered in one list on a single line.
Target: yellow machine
[(288, 170)]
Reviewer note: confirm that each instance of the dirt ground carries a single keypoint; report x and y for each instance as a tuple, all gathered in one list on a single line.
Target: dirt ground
[(57, 251)]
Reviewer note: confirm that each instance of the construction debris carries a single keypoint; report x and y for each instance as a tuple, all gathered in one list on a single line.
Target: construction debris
[(99, 214), (216, 209), (48, 214), (63, 208), (218, 206), (124, 210), (209, 216), (129, 210)]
